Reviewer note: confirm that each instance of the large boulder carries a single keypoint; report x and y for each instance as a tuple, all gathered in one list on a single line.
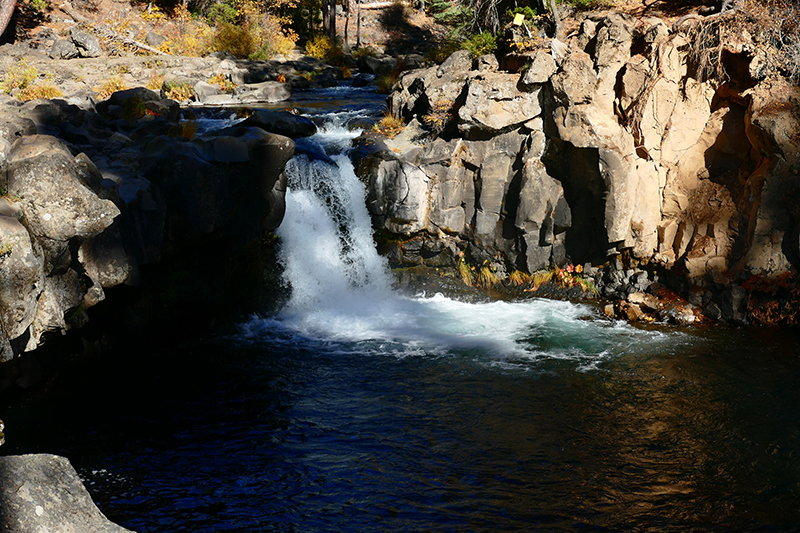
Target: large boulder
[(87, 44), (281, 123), (44, 493), (495, 104), (56, 204)]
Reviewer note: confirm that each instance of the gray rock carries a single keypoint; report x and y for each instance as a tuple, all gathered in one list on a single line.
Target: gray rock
[(63, 49), (486, 63), (88, 45), (44, 493), (268, 91), (153, 39), (460, 62), (494, 103), (13, 126), (281, 123), (21, 273), (541, 68), (56, 204), (380, 66), (203, 90), (648, 302)]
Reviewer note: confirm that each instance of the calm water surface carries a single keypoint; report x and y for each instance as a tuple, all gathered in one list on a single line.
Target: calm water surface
[(360, 409)]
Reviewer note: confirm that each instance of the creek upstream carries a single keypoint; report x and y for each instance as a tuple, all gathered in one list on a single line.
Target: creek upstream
[(357, 408)]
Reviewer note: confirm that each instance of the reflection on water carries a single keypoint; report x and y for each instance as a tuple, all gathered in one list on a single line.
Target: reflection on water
[(239, 434)]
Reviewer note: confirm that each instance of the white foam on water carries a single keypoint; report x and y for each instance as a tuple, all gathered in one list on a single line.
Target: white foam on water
[(341, 289)]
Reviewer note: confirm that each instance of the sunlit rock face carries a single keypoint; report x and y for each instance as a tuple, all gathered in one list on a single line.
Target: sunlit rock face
[(619, 148)]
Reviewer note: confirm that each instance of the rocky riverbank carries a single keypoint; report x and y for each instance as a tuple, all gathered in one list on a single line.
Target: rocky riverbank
[(610, 155)]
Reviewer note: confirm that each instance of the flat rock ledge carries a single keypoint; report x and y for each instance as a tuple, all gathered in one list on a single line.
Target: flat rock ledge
[(43, 493)]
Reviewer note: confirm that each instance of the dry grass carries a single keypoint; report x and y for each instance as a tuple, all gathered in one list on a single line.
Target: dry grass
[(109, 87), (518, 278), (465, 272), (487, 278), (39, 90), (389, 125)]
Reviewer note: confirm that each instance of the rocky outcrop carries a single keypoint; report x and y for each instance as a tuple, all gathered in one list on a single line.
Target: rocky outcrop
[(44, 493), (619, 149), (126, 195)]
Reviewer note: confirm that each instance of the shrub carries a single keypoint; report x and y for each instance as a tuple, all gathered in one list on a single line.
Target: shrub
[(179, 91), (222, 13), (233, 38), (19, 76), (481, 44), (443, 51), (320, 47), (271, 38), (385, 83), (389, 125), (110, 86), (39, 90), (224, 83), (20, 80), (440, 116)]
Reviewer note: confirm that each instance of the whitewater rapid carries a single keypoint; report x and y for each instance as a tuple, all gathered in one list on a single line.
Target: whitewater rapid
[(342, 295)]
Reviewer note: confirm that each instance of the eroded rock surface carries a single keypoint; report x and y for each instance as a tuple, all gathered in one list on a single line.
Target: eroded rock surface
[(619, 149), (43, 492), (99, 198)]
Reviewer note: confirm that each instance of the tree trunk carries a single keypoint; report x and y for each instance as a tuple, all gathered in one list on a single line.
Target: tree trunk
[(6, 10), (556, 19), (346, 22), (358, 25), (332, 22)]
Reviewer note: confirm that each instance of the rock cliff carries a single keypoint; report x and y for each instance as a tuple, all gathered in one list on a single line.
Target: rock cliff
[(118, 197), (621, 153)]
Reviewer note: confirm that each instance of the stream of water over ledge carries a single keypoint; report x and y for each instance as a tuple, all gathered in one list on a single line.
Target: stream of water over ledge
[(356, 408)]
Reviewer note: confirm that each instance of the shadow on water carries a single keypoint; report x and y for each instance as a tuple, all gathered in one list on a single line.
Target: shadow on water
[(697, 434)]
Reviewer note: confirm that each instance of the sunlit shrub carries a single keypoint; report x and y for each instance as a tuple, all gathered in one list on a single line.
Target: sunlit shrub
[(320, 47), (110, 86), (39, 90), (481, 44), (18, 76), (224, 83), (178, 91), (389, 125), (440, 116)]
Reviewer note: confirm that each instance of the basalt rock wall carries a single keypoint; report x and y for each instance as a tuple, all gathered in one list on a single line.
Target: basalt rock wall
[(617, 149), (119, 200)]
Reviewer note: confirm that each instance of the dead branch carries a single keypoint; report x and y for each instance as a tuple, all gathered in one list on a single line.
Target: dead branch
[(107, 32)]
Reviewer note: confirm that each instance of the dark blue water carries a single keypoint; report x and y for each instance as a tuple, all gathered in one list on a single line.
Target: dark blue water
[(280, 434)]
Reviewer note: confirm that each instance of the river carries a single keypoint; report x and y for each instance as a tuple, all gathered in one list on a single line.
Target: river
[(357, 408)]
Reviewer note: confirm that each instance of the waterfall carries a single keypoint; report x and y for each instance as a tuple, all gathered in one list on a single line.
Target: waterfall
[(341, 288)]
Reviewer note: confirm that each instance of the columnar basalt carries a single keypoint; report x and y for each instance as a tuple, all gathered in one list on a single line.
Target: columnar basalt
[(620, 149), (120, 196)]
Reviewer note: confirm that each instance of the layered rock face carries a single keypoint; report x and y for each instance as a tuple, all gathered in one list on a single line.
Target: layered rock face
[(618, 150), (97, 200)]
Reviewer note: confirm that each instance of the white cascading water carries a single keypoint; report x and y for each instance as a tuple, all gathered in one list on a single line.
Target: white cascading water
[(341, 288)]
